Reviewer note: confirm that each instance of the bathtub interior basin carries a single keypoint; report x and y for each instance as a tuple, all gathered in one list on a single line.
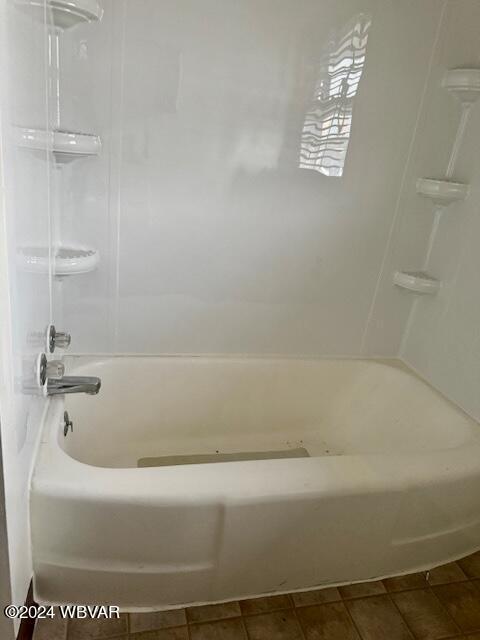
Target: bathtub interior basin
[(178, 410)]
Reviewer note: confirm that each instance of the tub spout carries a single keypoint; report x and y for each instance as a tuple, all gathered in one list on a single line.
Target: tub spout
[(73, 384)]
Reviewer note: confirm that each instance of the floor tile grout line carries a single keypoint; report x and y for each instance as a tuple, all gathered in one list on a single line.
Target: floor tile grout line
[(442, 584), (414, 635), (295, 615), (317, 604), (299, 622), (244, 627), (373, 595), (363, 596), (136, 634), (355, 626), (261, 613), (443, 606)]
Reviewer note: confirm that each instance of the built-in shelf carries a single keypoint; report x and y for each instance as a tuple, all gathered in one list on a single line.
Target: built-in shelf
[(65, 145), (463, 83), (64, 14), (67, 261), (442, 192), (416, 281)]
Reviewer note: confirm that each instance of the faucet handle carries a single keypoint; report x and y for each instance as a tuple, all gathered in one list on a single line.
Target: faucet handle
[(55, 369), (57, 339), (44, 370), (40, 369)]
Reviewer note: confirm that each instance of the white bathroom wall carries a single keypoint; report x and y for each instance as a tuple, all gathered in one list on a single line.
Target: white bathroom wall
[(25, 298), (6, 625), (212, 236), (443, 337), (440, 334)]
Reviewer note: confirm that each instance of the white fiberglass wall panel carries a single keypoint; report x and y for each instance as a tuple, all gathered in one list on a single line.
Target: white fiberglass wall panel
[(443, 335), (250, 172), (26, 297), (440, 333)]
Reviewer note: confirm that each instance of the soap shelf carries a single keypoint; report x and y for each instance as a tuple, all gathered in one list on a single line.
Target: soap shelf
[(464, 84), (65, 145), (64, 14), (442, 192), (416, 281), (67, 261)]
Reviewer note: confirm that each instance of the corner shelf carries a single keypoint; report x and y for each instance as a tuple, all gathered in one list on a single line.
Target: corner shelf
[(65, 145), (463, 83), (416, 281), (67, 261), (65, 13), (442, 192)]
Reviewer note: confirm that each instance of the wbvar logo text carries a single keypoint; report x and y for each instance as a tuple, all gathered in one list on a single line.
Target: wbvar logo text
[(88, 611)]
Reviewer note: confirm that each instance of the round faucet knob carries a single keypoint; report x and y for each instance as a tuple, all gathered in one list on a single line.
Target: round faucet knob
[(41, 369)]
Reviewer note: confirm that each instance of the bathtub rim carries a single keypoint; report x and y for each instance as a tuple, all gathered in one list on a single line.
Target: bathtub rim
[(56, 472), (79, 363)]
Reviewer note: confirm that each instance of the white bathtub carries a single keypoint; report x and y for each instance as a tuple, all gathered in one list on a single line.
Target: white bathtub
[(392, 484)]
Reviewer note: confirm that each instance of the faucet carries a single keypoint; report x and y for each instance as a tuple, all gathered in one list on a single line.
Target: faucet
[(73, 384), (49, 375)]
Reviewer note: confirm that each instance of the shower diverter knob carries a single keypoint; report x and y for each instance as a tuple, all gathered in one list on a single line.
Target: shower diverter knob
[(57, 339), (62, 339)]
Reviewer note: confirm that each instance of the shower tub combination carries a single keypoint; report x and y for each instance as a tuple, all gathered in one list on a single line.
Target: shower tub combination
[(174, 487)]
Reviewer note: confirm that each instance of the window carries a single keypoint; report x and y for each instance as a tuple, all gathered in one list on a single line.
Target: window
[(327, 126)]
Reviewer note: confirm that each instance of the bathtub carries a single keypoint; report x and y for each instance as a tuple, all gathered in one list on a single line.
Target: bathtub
[(391, 483)]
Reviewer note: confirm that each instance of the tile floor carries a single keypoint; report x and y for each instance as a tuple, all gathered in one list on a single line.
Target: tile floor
[(444, 603)]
